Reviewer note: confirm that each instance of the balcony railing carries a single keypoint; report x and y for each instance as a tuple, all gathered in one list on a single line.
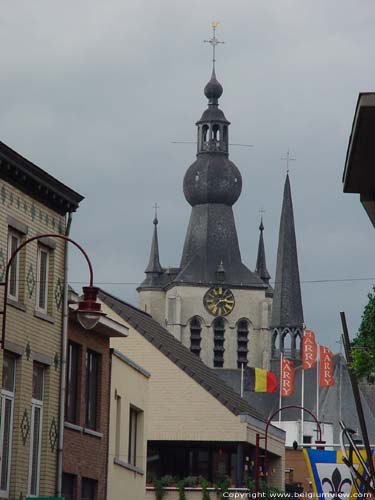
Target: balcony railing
[(288, 353)]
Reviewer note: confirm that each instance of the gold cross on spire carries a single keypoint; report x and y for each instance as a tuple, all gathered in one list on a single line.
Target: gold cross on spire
[(214, 41), (288, 159)]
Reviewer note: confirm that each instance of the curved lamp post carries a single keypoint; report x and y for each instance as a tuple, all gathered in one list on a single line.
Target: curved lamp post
[(89, 310), (319, 441)]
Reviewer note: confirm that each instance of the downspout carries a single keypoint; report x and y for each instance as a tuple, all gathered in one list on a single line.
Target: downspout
[(64, 345)]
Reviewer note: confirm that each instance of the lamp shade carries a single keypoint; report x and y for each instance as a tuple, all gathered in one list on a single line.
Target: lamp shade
[(89, 310)]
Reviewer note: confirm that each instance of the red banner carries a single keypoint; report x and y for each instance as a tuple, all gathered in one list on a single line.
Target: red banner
[(309, 350), (287, 377), (326, 367)]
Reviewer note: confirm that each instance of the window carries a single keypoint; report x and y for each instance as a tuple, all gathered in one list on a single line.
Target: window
[(68, 486), (42, 289), (36, 428), (92, 388), (6, 408), (219, 330), (195, 336), (14, 241), (71, 414), (134, 417), (242, 340), (118, 426), (88, 489)]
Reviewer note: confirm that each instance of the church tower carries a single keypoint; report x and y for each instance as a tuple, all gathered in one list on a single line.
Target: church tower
[(213, 303)]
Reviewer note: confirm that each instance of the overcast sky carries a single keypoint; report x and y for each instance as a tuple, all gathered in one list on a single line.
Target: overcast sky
[(95, 92)]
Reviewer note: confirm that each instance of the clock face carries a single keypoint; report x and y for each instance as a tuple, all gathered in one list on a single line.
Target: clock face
[(219, 301)]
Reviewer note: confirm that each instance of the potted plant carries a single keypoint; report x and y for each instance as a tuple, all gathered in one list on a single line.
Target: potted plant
[(205, 493), (159, 489), (169, 480), (181, 490), (222, 487), (191, 481)]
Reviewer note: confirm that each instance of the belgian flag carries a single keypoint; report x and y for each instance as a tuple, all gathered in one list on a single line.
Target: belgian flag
[(259, 380)]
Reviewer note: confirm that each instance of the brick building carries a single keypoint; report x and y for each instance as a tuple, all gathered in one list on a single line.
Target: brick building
[(86, 433), (32, 203)]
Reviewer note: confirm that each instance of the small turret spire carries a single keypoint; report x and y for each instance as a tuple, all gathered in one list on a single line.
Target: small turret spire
[(154, 266), (261, 266)]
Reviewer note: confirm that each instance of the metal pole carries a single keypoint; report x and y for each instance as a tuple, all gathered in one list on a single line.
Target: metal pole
[(302, 401), (281, 383), (64, 346), (257, 439), (356, 394), (242, 370), (317, 380)]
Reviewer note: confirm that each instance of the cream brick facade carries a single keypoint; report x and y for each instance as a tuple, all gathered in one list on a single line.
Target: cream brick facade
[(175, 308), (129, 387), (180, 409), (28, 330)]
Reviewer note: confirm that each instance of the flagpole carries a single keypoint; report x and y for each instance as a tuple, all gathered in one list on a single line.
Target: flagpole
[(302, 401), (281, 375), (317, 380), (302, 385), (242, 380)]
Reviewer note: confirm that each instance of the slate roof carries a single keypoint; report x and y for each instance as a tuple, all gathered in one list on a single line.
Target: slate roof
[(172, 348), (36, 182), (287, 301)]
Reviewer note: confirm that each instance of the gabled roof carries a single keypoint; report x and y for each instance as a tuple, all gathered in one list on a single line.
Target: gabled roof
[(36, 182), (172, 348)]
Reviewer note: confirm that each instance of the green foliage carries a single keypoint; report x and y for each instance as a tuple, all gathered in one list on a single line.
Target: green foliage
[(192, 481), (159, 489), (181, 490), (168, 480), (222, 487), (264, 488), (205, 493), (363, 346)]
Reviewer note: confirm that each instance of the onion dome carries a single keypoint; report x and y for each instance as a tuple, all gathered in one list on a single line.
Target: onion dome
[(213, 90)]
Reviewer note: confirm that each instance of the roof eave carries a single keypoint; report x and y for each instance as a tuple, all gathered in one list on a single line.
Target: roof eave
[(358, 176), (34, 181)]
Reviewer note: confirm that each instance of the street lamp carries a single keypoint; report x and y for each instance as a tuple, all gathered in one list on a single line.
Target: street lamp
[(265, 464), (89, 310)]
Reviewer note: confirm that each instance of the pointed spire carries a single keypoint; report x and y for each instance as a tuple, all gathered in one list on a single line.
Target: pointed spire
[(261, 266), (154, 266), (287, 301)]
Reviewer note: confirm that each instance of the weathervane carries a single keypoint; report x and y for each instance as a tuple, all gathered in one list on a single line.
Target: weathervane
[(156, 206), (214, 41), (288, 159), (261, 211)]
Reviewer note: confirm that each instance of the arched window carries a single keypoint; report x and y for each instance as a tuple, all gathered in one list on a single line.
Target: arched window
[(195, 336), (242, 340), (274, 346), (216, 132), (287, 343), (298, 345), (204, 132), (219, 330)]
